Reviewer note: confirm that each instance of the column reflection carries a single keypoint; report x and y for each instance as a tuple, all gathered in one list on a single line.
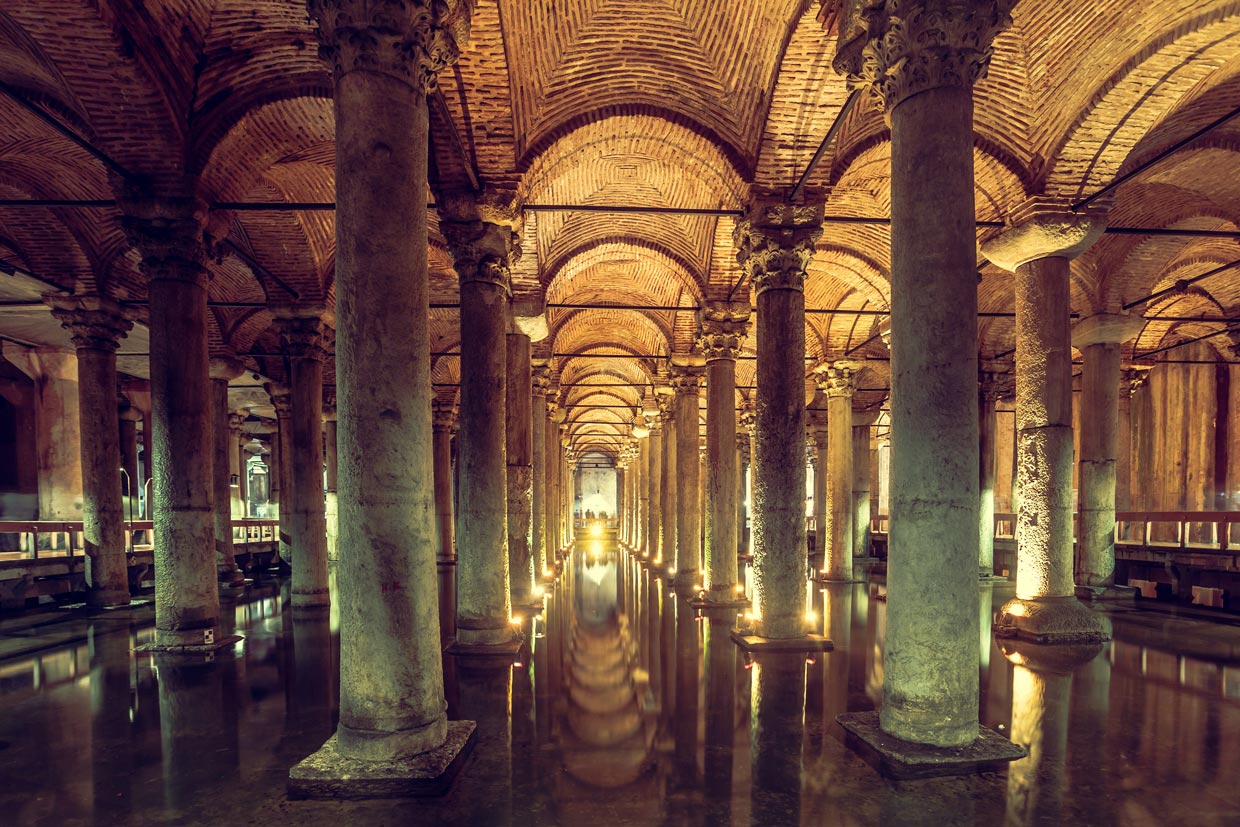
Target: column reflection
[(777, 704)]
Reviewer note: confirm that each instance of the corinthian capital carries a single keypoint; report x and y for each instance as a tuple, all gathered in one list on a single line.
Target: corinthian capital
[(410, 40), (168, 231), (775, 242), (903, 47), (482, 250), (838, 378), (94, 322), (723, 329), (303, 335)]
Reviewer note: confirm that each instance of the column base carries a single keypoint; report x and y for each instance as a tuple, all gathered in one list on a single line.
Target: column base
[(108, 598), (987, 575), (822, 578), (233, 578), (722, 600), (503, 649), (1051, 620), (1111, 592), (191, 642), (896, 758), (318, 599), (685, 580), (327, 774), (807, 643)]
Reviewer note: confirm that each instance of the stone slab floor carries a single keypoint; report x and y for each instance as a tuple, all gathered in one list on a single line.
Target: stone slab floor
[(626, 709)]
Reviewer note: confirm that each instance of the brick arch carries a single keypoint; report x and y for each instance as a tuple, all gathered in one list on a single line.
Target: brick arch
[(26, 67)]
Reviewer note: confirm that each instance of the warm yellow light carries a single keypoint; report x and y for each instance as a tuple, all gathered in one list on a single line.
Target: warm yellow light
[(546, 572), (516, 620), (671, 571), (740, 588), (539, 591), (1016, 610), (596, 530), (811, 616)]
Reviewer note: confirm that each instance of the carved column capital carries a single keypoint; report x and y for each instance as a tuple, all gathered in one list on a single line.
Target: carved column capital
[(1133, 378), (995, 381), (410, 40), (234, 423), (902, 47), (749, 418), (686, 379), (1042, 228), (743, 445), (723, 328), (482, 250), (540, 378), (94, 322), (281, 399), (442, 417), (775, 242), (303, 335), (838, 378), (225, 366), (168, 232)]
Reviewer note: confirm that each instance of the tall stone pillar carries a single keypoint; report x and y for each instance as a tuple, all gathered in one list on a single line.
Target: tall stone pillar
[(302, 335), (520, 447), (686, 382), (744, 445), (236, 465), (482, 251), (922, 57), (654, 488), (724, 327), (282, 466), (331, 459), (1132, 379), (1038, 248), (392, 708), (128, 419), (776, 244), (1099, 339), (58, 434), (441, 423), (993, 382), (818, 448), (96, 325), (540, 382), (839, 382), (223, 370), (555, 537), (862, 420), (168, 233), (643, 490), (273, 460), (667, 479)]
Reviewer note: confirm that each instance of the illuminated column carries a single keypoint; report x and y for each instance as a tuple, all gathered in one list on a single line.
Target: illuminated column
[(686, 381), (643, 490), (1132, 379), (744, 446), (520, 447), (994, 382), (168, 233), (281, 472), (654, 487), (385, 60), (1038, 248), (776, 244), (482, 252), (922, 57), (724, 327), (441, 429), (331, 478), (128, 419), (817, 452), (667, 472), (862, 420), (223, 457), (839, 382), (540, 382), (1099, 339), (236, 465), (96, 325), (552, 448)]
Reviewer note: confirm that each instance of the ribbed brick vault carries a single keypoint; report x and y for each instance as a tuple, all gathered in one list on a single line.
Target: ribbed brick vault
[(649, 103)]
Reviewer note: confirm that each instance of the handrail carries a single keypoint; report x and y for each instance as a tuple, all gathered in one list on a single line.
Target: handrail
[(73, 546)]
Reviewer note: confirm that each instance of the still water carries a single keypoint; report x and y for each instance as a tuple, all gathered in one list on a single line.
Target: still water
[(626, 707)]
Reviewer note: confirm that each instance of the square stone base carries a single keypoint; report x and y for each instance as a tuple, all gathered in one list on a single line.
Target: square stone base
[(329, 775), (897, 758), (709, 605), (759, 645), (820, 578), (507, 650), (1114, 592), (197, 650)]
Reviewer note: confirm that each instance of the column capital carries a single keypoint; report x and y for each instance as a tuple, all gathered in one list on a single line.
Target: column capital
[(749, 418), (900, 48), (224, 367), (442, 417), (411, 41), (481, 251), (168, 231), (540, 382), (1044, 229), (686, 379), (1106, 329), (303, 334), (1133, 378), (995, 380), (281, 399), (94, 322), (234, 422), (838, 378), (723, 327), (775, 242), (554, 412), (743, 445), (329, 405)]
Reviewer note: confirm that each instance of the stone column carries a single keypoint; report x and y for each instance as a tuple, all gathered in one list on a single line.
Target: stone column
[(392, 707), (128, 419), (441, 423), (282, 466), (643, 490), (667, 480), (776, 244), (862, 420), (57, 431), (724, 327), (1038, 248), (303, 336), (331, 458), (243, 459), (744, 445), (236, 465), (223, 370), (686, 382), (540, 382), (922, 57), (839, 382), (818, 452), (482, 252), (520, 455), (993, 382), (654, 488), (96, 325), (1132, 379), (1099, 338), (168, 233), (273, 460), (552, 447)]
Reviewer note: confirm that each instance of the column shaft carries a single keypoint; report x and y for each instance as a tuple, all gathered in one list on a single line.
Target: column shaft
[(443, 483), (721, 476), (654, 493), (520, 455), (822, 505), (688, 488), (838, 562), (668, 536), (221, 469), (538, 415), (986, 483), (308, 523), (861, 489), (1100, 378)]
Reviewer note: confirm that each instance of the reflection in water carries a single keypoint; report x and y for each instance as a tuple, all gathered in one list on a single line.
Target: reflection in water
[(626, 708)]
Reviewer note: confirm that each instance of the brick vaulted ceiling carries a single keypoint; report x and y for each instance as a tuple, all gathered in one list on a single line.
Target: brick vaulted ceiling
[(663, 103)]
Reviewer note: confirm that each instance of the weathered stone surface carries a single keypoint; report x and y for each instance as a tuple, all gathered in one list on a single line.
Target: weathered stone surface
[(898, 758)]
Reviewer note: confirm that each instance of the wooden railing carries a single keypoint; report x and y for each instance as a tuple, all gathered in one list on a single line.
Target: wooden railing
[(1208, 530), (65, 538)]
